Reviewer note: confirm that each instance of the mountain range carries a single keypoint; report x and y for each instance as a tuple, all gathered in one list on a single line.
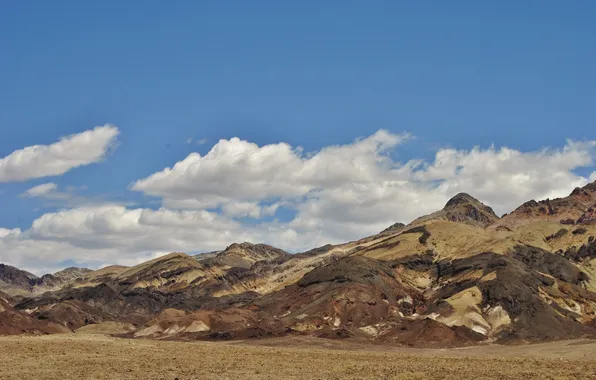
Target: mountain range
[(459, 276)]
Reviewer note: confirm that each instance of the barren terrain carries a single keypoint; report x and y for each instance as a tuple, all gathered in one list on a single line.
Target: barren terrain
[(82, 356)]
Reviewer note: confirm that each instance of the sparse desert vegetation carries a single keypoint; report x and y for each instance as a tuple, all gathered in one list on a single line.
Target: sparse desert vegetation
[(81, 356)]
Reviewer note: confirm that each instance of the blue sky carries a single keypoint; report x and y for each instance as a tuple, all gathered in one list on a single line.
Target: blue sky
[(311, 74)]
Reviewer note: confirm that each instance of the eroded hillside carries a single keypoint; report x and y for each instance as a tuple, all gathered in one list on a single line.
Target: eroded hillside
[(459, 276)]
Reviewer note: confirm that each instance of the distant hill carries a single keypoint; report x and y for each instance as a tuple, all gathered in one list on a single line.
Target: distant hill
[(19, 282)]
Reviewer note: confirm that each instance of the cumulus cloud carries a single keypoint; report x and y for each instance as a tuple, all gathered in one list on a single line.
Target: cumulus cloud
[(69, 152), (241, 209), (240, 170), (360, 182), (505, 177), (249, 209), (40, 190), (4, 232), (51, 195), (336, 194)]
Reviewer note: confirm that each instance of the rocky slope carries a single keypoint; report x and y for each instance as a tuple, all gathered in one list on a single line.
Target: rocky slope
[(242, 255), (463, 208), (61, 278), (13, 321), (455, 277), (15, 281), (568, 210)]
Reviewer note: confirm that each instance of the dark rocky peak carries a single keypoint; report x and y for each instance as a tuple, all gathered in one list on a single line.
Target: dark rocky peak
[(577, 191), (15, 276), (527, 207), (591, 187), (459, 199), (463, 208), (530, 203), (587, 191), (467, 202)]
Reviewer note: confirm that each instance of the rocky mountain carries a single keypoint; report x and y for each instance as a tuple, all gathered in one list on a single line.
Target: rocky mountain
[(458, 276), (60, 278), (19, 282), (567, 210), (463, 208), (70, 274), (13, 279), (13, 321), (243, 255)]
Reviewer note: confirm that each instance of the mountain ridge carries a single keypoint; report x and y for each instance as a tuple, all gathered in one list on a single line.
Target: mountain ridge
[(458, 276), (568, 210)]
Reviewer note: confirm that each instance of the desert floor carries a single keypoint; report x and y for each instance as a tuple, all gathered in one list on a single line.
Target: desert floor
[(102, 357)]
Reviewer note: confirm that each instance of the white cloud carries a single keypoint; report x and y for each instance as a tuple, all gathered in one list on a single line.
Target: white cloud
[(593, 177), (40, 190), (114, 234), (359, 182), (339, 193), (505, 177), (248, 209), (56, 159), (236, 170), (4, 232), (190, 140), (52, 196), (240, 209)]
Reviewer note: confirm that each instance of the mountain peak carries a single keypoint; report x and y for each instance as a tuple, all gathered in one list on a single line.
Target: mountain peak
[(585, 191), (244, 255), (463, 208), (461, 198), (11, 277), (245, 245)]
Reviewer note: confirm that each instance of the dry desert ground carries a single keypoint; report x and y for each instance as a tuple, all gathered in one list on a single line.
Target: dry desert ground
[(76, 356)]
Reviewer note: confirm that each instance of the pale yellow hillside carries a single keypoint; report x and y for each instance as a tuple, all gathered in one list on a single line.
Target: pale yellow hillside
[(173, 271), (99, 276), (449, 240)]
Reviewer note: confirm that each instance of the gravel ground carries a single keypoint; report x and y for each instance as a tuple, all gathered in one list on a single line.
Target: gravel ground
[(72, 356)]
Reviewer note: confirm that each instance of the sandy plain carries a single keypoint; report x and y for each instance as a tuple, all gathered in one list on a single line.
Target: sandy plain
[(97, 356)]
